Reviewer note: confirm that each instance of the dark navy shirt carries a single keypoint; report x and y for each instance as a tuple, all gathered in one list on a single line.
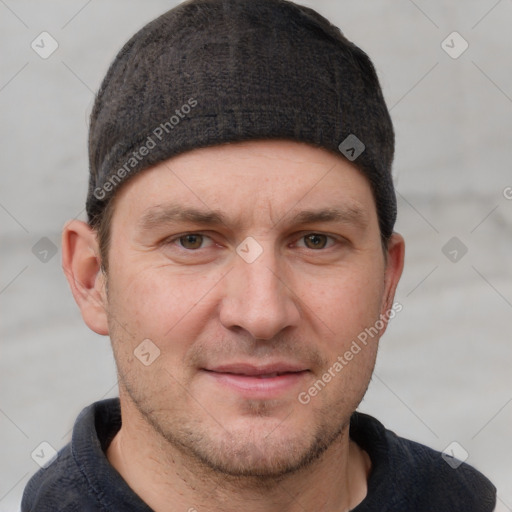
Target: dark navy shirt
[(405, 476)]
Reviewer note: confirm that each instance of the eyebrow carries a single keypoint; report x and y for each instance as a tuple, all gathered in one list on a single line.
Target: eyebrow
[(168, 214), (347, 215)]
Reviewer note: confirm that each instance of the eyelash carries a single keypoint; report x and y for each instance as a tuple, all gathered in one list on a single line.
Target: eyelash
[(331, 238)]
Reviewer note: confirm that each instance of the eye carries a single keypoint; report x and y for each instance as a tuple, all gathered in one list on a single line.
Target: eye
[(190, 241), (191, 248), (316, 240)]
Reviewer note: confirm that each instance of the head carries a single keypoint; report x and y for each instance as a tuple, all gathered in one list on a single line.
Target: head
[(228, 233)]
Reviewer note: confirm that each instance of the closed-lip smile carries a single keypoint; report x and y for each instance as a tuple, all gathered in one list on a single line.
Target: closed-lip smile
[(264, 381)]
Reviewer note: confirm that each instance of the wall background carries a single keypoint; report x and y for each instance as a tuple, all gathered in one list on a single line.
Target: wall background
[(444, 370)]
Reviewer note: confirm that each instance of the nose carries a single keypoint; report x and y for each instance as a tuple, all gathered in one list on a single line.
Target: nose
[(258, 298)]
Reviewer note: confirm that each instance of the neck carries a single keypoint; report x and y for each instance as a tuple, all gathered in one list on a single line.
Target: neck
[(168, 479)]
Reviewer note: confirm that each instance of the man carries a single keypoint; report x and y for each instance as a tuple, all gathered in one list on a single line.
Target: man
[(240, 254)]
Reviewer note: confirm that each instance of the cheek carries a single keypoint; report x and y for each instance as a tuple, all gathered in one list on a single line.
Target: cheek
[(159, 303), (345, 312), (345, 303)]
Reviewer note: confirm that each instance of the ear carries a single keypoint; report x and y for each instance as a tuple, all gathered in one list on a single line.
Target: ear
[(393, 271), (82, 265)]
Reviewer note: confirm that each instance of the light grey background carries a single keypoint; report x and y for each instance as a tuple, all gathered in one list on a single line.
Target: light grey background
[(444, 369)]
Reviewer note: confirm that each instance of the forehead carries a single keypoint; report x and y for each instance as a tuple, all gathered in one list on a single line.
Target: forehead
[(249, 180)]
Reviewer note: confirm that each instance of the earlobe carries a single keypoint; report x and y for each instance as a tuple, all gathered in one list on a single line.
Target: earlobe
[(81, 263)]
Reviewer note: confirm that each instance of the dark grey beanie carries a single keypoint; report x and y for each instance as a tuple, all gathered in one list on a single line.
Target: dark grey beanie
[(214, 71)]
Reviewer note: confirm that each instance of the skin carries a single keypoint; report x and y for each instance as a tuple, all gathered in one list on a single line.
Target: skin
[(187, 440)]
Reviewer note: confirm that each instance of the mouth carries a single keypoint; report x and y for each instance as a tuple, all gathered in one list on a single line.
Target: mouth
[(269, 381)]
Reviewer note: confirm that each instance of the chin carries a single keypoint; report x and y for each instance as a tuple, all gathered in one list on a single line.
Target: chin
[(260, 453)]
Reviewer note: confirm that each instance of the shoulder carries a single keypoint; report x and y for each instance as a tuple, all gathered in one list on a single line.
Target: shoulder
[(66, 484), (418, 477), (56, 487)]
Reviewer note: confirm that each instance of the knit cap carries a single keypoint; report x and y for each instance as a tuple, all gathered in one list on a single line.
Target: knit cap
[(213, 71)]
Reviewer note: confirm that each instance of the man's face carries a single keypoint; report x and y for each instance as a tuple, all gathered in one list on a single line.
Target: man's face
[(243, 329)]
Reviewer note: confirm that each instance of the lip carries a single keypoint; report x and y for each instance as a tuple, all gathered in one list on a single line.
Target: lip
[(257, 370), (252, 381)]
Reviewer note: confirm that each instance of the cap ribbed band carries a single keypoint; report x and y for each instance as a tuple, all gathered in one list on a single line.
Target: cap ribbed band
[(214, 71)]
